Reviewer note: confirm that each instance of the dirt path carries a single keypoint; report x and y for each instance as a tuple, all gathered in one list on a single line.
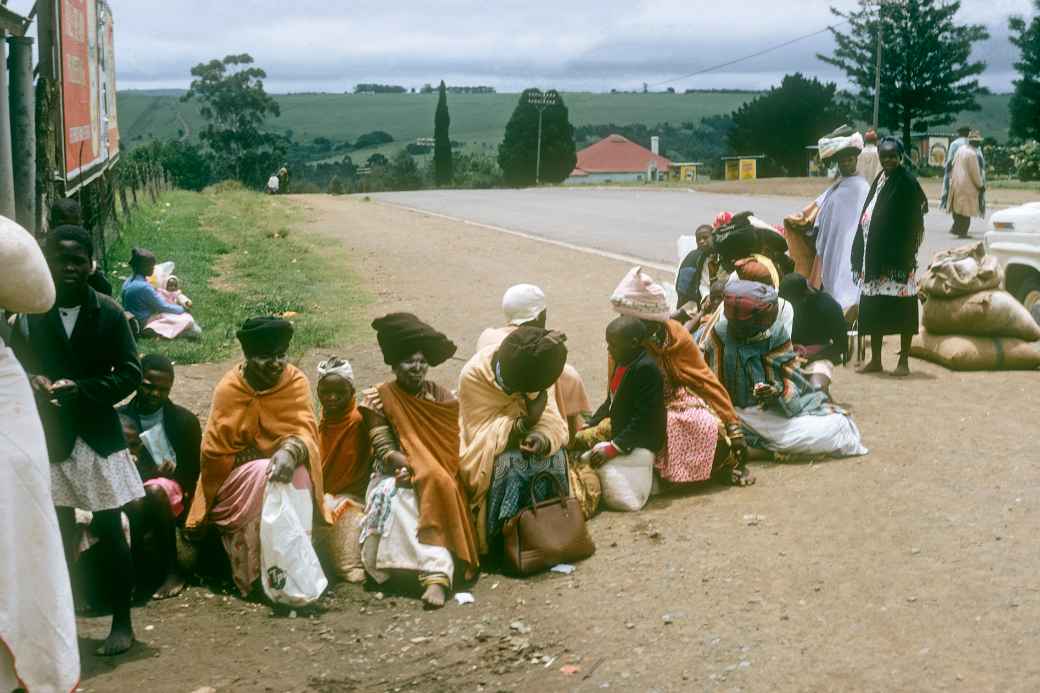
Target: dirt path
[(911, 569)]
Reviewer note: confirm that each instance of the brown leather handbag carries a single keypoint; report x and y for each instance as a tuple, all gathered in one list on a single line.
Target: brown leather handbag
[(550, 532)]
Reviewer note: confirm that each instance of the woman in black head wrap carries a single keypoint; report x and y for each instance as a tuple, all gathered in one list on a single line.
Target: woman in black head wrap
[(884, 256), (413, 425)]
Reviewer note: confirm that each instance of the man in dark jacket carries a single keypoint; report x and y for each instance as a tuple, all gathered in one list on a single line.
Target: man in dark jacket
[(635, 404), (82, 361), (168, 460)]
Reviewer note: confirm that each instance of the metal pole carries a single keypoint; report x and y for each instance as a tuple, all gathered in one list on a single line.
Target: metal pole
[(538, 164), (7, 207), (877, 70), (23, 131)]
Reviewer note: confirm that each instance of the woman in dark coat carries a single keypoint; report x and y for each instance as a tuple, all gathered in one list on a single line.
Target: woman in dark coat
[(884, 257)]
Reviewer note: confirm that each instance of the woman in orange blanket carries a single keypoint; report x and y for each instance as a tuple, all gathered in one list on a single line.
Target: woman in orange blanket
[(416, 513), (346, 463), (261, 427), (704, 438)]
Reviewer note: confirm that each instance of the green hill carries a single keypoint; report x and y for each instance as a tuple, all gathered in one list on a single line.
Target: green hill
[(478, 120)]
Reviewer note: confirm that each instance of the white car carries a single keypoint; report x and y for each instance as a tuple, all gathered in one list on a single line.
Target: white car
[(1015, 240)]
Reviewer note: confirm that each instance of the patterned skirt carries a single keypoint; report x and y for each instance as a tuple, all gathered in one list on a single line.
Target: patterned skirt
[(510, 490), (88, 481), (692, 437)]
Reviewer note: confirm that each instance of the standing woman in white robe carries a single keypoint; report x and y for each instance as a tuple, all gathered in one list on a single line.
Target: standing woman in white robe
[(38, 648)]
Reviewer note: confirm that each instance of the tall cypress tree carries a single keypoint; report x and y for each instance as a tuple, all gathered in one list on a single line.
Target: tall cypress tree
[(517, 154), (1025, 103), (443, 167), (927, 74)]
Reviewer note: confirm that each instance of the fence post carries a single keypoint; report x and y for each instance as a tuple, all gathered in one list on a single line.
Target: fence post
[(7, 206), (23, 130)]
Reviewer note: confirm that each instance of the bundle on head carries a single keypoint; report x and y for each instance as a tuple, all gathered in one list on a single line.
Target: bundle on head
[(531, 359)]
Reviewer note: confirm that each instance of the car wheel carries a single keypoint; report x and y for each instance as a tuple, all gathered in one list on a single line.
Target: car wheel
[(1028, 292)]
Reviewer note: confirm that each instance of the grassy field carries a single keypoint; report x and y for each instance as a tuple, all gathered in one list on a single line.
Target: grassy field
[(478, 120), (237, 258)]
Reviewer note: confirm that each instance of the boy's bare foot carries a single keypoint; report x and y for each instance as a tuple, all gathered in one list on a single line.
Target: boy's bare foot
[(119, 640), (434, 596), (872, 367), (902, 370), (171, 587)]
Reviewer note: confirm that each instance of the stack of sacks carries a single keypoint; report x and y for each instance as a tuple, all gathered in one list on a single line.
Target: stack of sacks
[(970, 324)]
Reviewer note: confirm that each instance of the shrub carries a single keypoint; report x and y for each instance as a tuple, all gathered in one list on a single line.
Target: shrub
[(1027, 160), (336, 186)]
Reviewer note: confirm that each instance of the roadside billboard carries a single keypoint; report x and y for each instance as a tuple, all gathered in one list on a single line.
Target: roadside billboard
[(90, 126)]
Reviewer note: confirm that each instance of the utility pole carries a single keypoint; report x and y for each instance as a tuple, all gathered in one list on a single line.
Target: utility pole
[(7, 207), (541, 100), (877, 68), (23, 130)]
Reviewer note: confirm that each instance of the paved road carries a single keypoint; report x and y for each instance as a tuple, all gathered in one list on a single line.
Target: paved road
[(628, 221)]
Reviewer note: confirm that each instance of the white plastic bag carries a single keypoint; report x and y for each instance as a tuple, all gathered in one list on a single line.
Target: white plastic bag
[(627, 481), (289, 569)]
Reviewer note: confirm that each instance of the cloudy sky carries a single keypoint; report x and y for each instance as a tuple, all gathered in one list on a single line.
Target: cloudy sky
[(317, 45)]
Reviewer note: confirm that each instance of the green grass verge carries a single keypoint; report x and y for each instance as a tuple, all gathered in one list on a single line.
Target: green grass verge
[(236, 258)]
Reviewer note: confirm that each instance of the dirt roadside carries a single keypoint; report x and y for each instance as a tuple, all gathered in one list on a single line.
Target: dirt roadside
[(910, 569)]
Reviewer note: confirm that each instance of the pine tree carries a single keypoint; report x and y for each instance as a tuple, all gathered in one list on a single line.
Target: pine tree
[(443, 167), (1025, 102), (926, 73), (518, 152)]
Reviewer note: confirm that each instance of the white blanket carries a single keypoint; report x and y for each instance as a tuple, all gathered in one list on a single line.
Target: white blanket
[(37, 620), (836, 225), (834, 435)]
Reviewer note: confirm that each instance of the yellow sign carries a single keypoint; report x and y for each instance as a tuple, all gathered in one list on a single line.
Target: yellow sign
[(732, 169), (748, 169)]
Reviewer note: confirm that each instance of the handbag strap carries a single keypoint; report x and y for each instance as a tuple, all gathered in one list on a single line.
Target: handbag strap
[(551, 478)]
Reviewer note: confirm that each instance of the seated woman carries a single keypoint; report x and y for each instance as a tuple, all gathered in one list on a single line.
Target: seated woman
[(346, 463), (524, 304), (261, 427), (165, 440), (511, 428), (416, 514), (155, 315), (783, 415), (704, 437), (820, 333)]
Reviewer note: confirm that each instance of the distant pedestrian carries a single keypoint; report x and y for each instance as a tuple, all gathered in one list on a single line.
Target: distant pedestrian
[(884, 257), (962, 139), (283, 179), (272, 184), (868, 165), (967, 189)]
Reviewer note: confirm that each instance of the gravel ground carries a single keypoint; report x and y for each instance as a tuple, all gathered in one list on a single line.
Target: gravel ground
[(911, 569)]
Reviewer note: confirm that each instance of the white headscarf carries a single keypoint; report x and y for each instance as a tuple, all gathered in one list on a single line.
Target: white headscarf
[(336, 366), (523, 303)]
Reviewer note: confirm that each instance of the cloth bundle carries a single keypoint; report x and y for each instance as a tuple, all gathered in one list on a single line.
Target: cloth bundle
[(831, 144), (750, 307)]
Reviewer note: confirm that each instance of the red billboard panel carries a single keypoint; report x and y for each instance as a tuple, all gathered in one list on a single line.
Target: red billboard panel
[(88, 85)]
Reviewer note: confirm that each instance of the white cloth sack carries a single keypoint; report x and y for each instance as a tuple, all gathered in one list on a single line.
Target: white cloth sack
[(397, 546), (627, 481), (37, 620), (834, 435), (289, 569)]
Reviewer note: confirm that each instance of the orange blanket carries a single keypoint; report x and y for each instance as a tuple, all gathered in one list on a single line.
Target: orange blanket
[(429, 435), (242, 419), (684, 364), (346, 456)]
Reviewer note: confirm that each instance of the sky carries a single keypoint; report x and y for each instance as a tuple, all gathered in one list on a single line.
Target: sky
[(318, 45)]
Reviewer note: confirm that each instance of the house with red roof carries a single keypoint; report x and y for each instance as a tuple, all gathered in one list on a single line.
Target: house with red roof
[(618, 159)]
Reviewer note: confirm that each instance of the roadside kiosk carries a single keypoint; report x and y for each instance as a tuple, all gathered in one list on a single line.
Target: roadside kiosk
[(742, 167)]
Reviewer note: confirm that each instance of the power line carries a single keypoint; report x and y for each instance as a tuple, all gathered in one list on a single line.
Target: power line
[(749, 57)]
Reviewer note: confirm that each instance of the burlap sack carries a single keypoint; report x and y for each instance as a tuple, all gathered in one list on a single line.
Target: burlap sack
[(337, 545), (991, 313), (961, 271), (965, 353), (25, 284)]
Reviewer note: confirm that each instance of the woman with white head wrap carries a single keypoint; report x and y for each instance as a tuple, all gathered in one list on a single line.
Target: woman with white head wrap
[(524, 304), (704, 438), (346, 464)]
